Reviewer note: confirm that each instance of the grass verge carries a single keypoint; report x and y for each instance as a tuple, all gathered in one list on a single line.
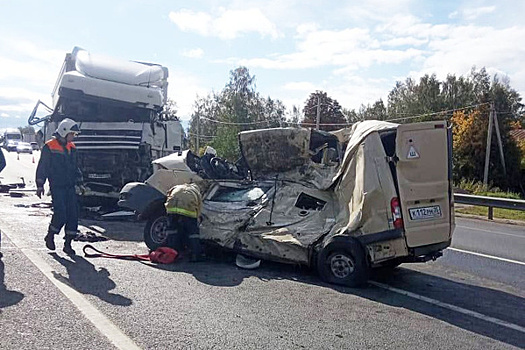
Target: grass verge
[(498, 213)]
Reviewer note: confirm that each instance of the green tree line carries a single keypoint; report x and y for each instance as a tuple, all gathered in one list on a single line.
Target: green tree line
[(465, 101)]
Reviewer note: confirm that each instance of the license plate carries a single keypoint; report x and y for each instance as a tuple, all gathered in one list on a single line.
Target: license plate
[(425, 212)]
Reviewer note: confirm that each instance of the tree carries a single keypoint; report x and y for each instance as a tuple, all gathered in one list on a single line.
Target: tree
[(238, 107), (169, 111), (328, 109), (466, 102), (27, 130)]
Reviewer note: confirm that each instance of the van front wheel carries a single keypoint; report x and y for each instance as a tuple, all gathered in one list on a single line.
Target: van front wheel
[(343, 262), (155, 234)]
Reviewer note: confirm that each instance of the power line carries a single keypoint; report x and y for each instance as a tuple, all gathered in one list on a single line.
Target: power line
[(231, 123), (441, 112)]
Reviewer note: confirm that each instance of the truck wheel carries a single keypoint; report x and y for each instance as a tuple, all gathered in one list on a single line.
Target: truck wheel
[(155, 235), (343, 262)]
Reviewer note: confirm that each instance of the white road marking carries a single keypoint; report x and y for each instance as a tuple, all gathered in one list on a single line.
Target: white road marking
[(489, 231), (451, 307), (487, 256), (101, 322)]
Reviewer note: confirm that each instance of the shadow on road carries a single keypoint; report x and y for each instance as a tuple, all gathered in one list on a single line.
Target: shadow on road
[(485, 301), (7, 297), (219, 270), (131, 231), (84, 278)]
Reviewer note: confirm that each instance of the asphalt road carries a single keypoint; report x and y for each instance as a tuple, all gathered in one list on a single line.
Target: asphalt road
[(471, 298)]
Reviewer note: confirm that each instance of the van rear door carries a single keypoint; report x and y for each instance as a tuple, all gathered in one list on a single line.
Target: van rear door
[(424, 174)]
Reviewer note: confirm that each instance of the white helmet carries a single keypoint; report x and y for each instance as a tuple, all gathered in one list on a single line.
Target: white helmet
[(66, 126), (210, 150)]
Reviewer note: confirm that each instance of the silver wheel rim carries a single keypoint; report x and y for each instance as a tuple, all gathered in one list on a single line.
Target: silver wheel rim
[(158, 230), (341, 265)]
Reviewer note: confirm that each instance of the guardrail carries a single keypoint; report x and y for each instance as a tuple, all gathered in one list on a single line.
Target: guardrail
[(490, 202)]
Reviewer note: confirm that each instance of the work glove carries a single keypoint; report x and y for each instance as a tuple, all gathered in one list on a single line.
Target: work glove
[(80, 190), (39, 191)]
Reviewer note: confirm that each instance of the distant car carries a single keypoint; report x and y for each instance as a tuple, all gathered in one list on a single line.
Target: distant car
[(34, 146), (24, 147), (10, 146)]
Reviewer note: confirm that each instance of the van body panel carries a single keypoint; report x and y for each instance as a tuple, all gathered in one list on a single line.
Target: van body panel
[(424, 183)]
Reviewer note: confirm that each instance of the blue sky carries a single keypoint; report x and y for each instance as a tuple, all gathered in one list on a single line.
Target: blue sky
[(353, 50)]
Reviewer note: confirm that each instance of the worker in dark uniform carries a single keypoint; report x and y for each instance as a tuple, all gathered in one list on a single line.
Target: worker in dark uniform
[(2, 166), (2, 161), (58, 164), (183, 207)]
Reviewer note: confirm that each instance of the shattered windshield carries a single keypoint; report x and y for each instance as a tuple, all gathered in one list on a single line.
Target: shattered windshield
[(232, 194)]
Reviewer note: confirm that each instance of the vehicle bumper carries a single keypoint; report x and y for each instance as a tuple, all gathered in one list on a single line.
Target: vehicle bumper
[(139, 196)]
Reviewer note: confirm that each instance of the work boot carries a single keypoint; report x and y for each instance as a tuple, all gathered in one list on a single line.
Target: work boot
[(50, 241), (196, 253), (67, 245)]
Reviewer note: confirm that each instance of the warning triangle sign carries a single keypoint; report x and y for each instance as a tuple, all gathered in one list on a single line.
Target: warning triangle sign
[(412, 153)]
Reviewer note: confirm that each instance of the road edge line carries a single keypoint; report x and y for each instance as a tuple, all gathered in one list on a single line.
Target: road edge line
[(450, 307), (104, 325), (487, 256)]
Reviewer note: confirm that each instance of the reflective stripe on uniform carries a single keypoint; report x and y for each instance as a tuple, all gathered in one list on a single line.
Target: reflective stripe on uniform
[(181, 211)]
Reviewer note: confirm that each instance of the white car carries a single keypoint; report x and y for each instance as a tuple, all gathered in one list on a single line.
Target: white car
[(24, 147), (10, 145)]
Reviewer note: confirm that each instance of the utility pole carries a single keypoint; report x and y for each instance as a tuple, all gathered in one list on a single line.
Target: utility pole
[(318, 114), (198, 134), (493, 119), (487, 150), (500, 144)]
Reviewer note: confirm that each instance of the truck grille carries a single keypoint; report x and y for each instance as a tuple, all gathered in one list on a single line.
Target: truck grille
[(127, 136)]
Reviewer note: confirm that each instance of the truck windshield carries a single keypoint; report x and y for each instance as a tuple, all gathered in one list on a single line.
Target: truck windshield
[(95, 111)]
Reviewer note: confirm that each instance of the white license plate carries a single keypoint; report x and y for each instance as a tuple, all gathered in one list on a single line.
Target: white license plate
[(425, 212)]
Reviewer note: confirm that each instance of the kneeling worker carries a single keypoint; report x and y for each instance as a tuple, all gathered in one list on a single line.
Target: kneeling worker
[(183, 207)]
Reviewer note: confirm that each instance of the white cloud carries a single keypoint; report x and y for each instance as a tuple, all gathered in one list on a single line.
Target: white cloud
[(351, 48), (4, 115), (193, 53), (189, 21), (230, 24), (471, 14)]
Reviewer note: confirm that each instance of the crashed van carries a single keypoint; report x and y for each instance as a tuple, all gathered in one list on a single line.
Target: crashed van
[(376, 194)]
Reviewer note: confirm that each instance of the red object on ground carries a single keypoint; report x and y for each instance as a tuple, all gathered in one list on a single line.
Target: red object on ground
[(162, 255)]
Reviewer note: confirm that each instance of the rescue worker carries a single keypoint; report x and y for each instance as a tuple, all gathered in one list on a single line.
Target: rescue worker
[(58, 164), (2, 166), (2, 161), (183, 207)]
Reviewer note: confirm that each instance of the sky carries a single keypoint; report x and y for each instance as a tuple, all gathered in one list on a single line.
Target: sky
[(355, 51)]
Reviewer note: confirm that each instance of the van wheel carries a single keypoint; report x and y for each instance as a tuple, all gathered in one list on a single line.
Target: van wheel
[(155, 234), (343, 262)]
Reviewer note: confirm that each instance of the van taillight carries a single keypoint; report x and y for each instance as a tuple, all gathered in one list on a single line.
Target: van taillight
[(396, 212)]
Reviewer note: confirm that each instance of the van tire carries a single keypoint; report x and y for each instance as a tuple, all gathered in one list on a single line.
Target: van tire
[(343, 262), (155, 231)]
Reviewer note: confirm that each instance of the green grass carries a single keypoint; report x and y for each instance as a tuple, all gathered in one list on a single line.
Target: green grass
[(498, 213), (478, 189)]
